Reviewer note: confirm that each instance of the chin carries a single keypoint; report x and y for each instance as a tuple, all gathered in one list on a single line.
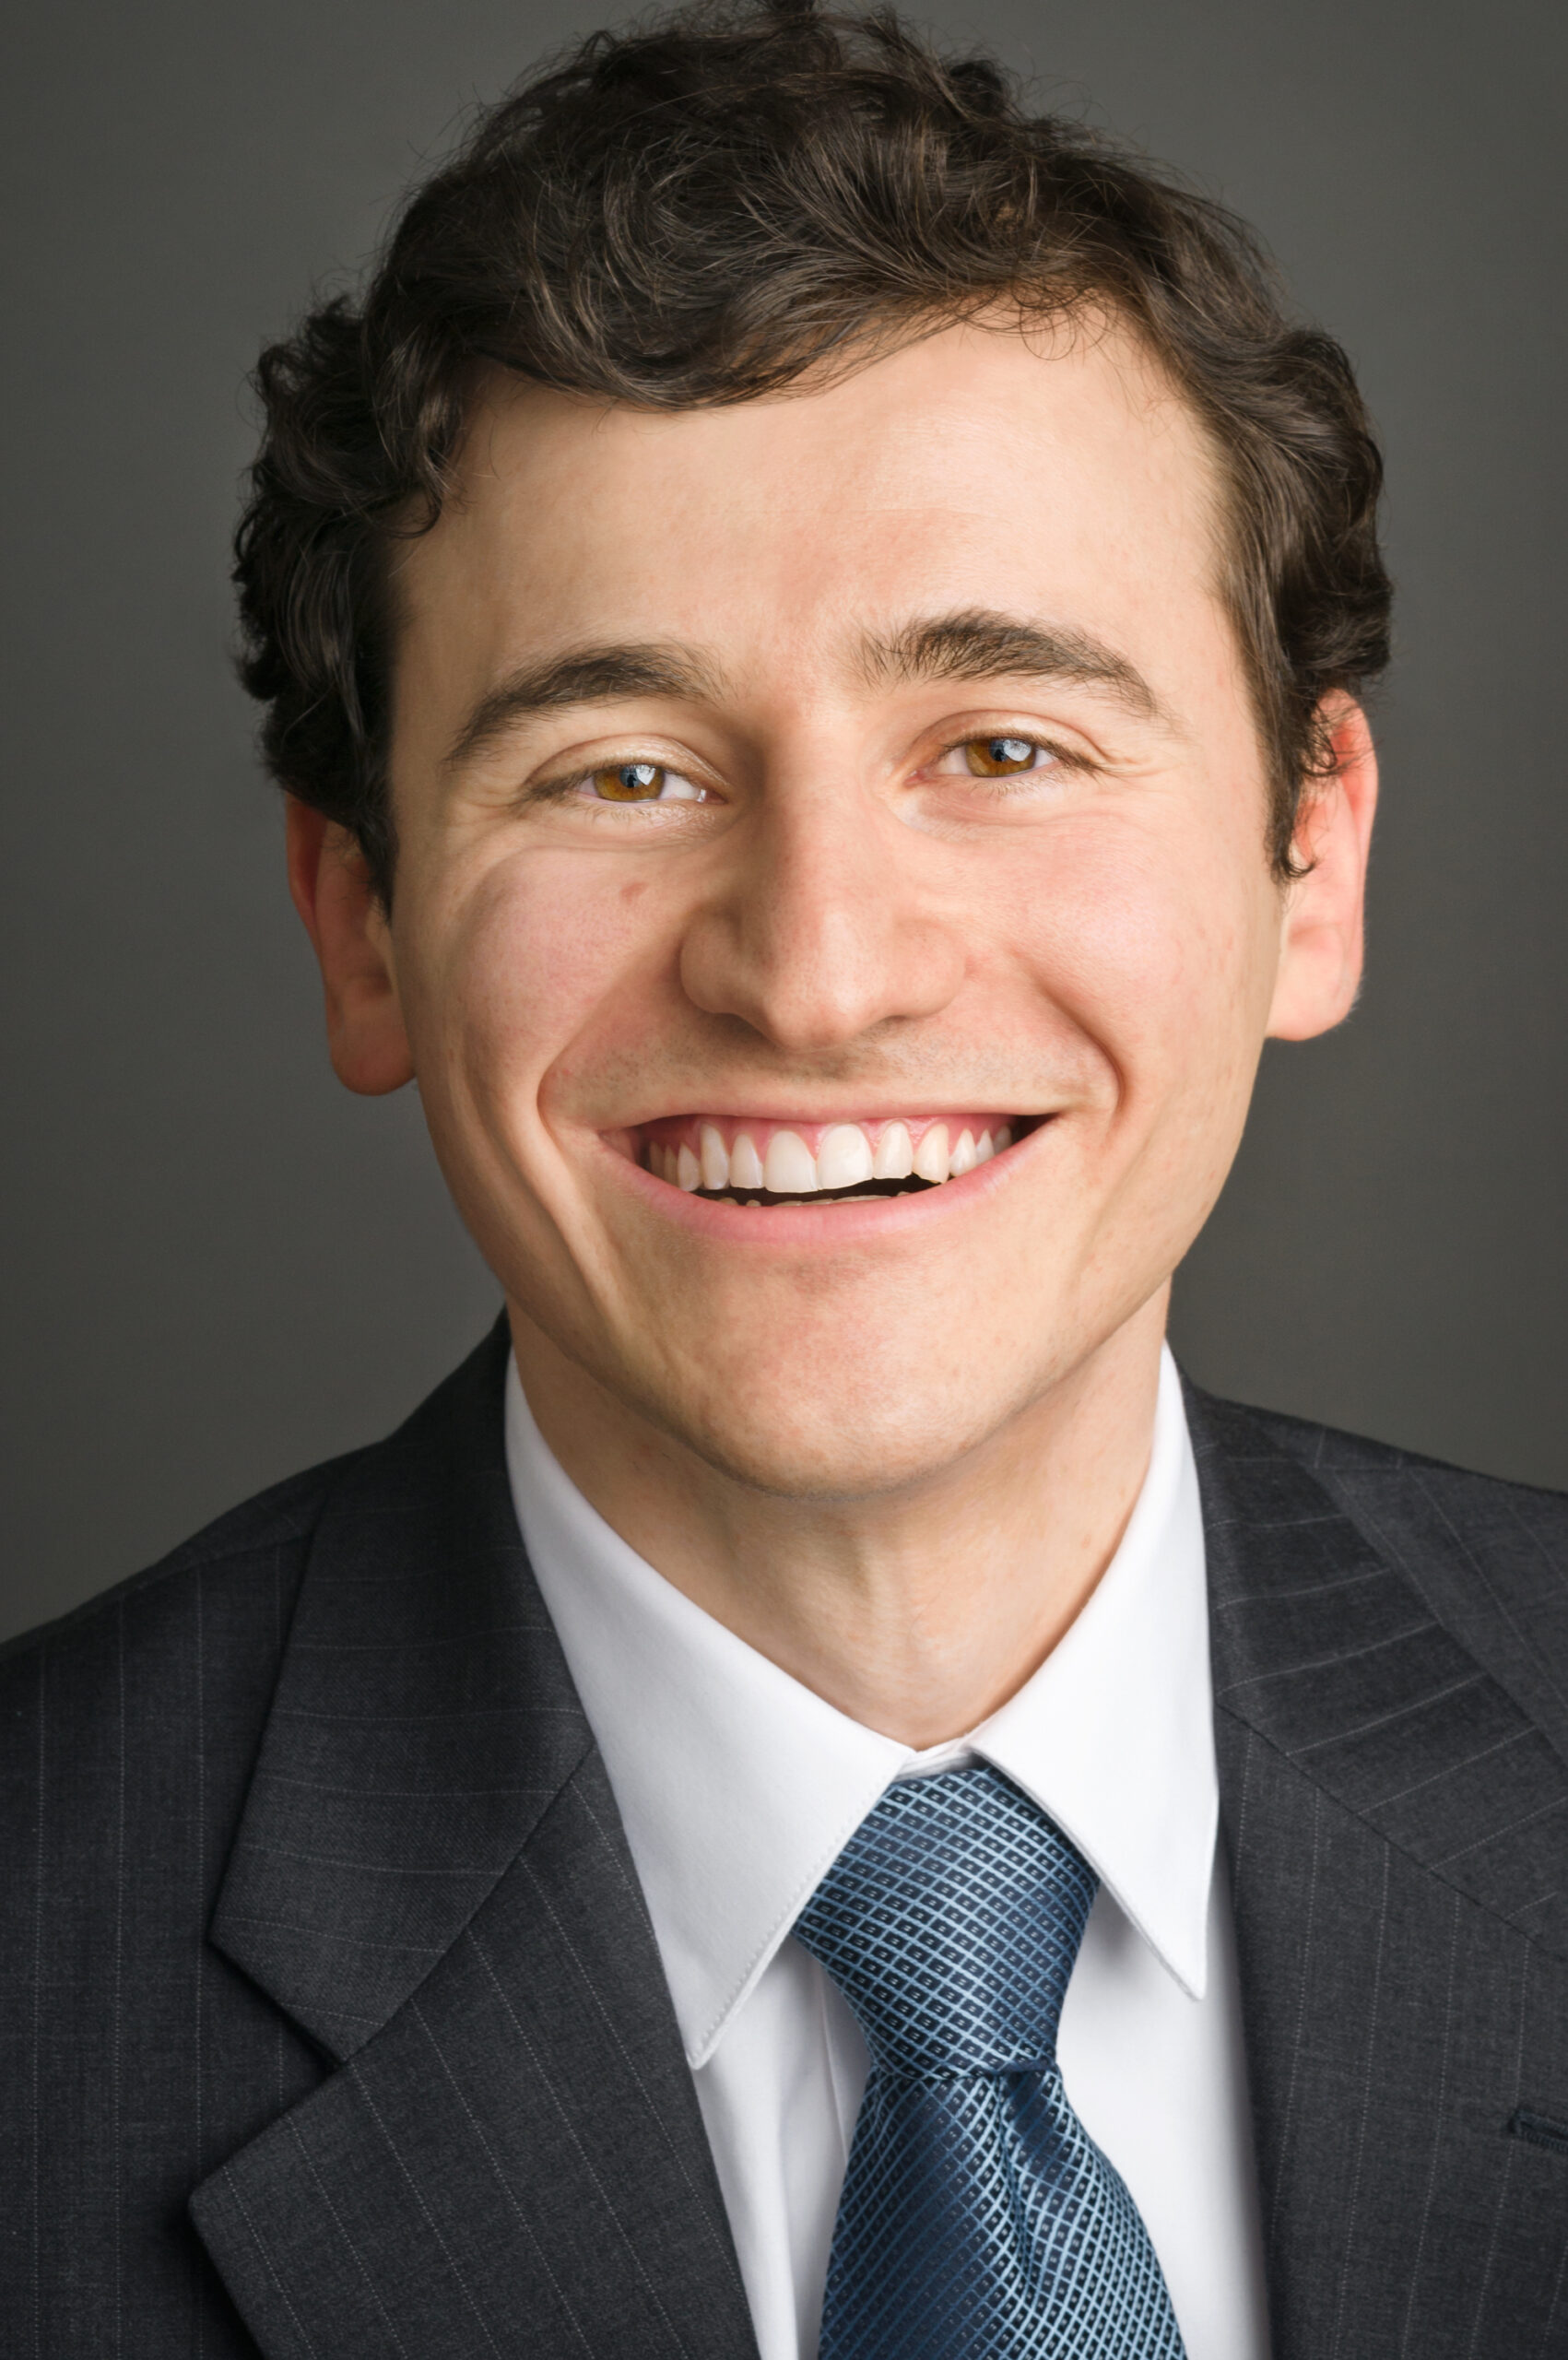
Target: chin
[(819, 1440)]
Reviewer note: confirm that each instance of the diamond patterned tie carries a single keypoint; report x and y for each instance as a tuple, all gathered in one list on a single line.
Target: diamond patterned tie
[(978, 2221)]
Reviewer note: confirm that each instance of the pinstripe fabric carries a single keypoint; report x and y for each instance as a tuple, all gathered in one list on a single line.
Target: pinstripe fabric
[(133, 2058), (425, 2071), (420, 1730), (510, 2165), (1397, 1823), (430, 1876), (317, 1917)]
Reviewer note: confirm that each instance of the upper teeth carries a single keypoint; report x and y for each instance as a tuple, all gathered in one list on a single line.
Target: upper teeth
[(847, 1154)]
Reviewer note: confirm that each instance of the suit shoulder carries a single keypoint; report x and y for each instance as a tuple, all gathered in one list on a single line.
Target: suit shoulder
[(222, 1600), (1487, 1557), (1353, 1465), (273, 1527)]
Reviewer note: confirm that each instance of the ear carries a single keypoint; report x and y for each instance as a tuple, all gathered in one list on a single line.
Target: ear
[(330, 880), (1320, 938)]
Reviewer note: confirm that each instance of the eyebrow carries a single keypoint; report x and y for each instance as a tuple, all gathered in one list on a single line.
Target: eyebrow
[(976, 645), (581, 676), (972, 644)]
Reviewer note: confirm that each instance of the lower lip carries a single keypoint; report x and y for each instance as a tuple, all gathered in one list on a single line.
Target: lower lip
[(860, 1221)]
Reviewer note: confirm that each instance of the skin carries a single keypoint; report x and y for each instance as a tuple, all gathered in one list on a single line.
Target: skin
[(891, 1443)]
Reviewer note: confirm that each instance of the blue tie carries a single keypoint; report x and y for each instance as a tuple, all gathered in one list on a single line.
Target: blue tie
[(978, 2221)]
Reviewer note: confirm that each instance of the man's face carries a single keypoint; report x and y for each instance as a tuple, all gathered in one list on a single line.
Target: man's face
[(807, 796)]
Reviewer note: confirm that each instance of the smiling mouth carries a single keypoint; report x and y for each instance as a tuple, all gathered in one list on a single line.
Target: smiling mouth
[(740, 1160)]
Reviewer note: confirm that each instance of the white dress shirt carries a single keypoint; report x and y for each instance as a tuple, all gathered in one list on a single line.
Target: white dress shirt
[(738, 1788)]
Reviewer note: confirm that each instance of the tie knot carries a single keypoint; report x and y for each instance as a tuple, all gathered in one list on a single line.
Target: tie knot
[(951, 1922)]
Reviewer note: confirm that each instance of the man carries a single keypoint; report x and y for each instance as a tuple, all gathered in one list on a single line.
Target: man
[(811, 1798)]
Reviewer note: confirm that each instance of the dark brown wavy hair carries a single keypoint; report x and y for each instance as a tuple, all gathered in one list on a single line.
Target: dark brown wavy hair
[(702, 210)]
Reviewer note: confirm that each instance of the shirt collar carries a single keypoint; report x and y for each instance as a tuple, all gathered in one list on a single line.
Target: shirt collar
[(738, 1788)]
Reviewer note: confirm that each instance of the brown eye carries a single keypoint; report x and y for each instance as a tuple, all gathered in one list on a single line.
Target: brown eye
[(995, 757), (630, 783)]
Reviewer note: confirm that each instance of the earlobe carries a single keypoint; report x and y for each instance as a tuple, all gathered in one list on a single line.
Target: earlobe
[(1322, 932), (330, 882)]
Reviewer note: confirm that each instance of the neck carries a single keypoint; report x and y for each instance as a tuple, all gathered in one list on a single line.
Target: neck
[(916, 1611)]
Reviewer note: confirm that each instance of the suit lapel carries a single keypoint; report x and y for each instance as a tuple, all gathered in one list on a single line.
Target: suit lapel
[(430, 1878), (1395, 1828)]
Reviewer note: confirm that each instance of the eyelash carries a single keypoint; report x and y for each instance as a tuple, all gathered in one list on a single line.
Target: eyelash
[(1000, 784), (561, 790)]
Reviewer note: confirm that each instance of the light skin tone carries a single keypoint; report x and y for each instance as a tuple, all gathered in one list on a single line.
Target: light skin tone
[(877, 754)]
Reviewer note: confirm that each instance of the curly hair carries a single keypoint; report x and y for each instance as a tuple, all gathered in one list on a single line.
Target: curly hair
[(703, 210)]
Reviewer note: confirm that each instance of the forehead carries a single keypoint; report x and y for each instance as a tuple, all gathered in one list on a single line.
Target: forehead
[(1055, 475)]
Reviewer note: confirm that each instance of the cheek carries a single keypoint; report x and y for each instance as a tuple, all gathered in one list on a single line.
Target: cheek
[(523, 963), (1158, 951)]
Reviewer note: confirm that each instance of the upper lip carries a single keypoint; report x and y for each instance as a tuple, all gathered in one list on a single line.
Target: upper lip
[(726, 1110)]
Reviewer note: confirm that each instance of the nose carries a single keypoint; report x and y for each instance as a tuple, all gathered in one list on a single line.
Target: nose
[(822, 926)]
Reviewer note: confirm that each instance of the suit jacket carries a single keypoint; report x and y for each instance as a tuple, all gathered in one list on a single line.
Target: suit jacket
[(333, 2027)]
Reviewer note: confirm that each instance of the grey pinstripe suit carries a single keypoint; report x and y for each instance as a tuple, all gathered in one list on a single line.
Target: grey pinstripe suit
[(333, 2025)]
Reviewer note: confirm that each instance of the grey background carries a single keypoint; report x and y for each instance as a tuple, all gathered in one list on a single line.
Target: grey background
[(218, 1266)]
